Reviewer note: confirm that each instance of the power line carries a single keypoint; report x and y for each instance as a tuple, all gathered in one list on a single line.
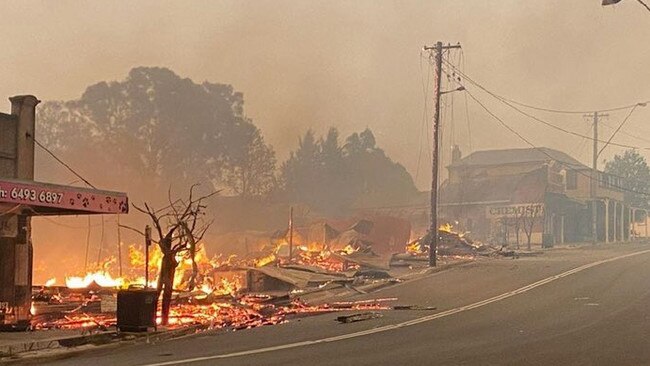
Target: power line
[(578, 171), (625, 133), (63, 163), (551, 110), (11, 210), (425, 118), (469, 129), (644, 4), (496, 96), (579, 148), (101, 242), (617, 129), (87, 245), (583, 136), (560, 111)]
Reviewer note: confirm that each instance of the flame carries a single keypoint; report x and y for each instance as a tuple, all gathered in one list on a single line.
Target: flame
[(313, 254), (261, 262), (104, 278), (349, 249), (414, 247), (228, 287), (32, 309), (101, 278), (50, 282), (216, 298), (446, 228)]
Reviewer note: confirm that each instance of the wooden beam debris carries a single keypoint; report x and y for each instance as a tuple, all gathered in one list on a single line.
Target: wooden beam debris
[(357, 317)]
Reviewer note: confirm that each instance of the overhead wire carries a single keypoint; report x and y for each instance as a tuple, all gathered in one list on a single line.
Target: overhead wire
[(560, 111), (581, 145), (617, 129), (640, 138), (68, 226), (119, 245), (87, 245), (11, 210), (425, 117), (101, 241), (511, 105), (63, 163), (644, 5), (520, 136), (469, 129)]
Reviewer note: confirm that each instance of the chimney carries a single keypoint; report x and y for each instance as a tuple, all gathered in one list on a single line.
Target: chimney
[(456, 154), (24, 107)]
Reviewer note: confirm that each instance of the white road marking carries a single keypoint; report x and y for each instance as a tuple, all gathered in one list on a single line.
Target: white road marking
[(408, 323)]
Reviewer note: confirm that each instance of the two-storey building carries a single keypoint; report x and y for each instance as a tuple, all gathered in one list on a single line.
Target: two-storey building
[(511, 195)]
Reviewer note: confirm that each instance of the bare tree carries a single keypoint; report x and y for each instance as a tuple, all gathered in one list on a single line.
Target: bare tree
[(530, 216), (519, 222), (179, 226)]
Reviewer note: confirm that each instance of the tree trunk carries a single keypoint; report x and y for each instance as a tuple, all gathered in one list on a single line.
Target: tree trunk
[(166, 285), (529, 233), (517, 235)]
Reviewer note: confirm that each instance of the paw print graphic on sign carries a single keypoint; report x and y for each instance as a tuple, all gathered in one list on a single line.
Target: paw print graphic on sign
[(85, 202)]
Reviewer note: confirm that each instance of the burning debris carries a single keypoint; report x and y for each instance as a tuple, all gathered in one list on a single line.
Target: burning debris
[(265, 287), (451, 244), (239, 312), (357, 317), (233, 293)]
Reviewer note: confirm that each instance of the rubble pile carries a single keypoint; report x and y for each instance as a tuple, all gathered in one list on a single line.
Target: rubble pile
[(281, 280), (233, 312), (233, 293), (451, 244)]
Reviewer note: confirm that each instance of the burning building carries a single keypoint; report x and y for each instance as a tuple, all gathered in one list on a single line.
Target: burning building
[(22, 198), (506, 196)]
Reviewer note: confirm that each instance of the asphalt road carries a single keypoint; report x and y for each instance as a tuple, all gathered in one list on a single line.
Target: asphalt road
[(580, 307)]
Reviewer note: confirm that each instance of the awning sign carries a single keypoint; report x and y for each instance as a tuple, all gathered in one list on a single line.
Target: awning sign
[(529, 209), (65, 198)]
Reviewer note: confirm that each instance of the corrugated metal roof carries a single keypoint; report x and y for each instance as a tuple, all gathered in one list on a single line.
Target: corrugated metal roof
[(522, 188), (513, 156)]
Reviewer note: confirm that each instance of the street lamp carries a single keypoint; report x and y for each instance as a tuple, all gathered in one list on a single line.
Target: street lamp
[(460, 88), (612, 2)]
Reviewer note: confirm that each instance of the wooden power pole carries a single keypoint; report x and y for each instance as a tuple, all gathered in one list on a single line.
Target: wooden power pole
[(433, 229), (593, 184)]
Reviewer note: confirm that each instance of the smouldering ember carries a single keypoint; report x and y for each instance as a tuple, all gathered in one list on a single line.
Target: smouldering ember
[(245, 312), (448, 237), (216, 301)]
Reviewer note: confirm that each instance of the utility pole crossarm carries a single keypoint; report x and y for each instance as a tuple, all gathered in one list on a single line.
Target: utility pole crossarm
[(444, 47)]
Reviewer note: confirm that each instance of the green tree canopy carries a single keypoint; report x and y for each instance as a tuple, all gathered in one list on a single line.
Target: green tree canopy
[(333, 178), (633, 168), (166, 128)]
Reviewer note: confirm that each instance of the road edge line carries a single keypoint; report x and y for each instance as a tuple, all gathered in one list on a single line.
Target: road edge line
[(408, 323)]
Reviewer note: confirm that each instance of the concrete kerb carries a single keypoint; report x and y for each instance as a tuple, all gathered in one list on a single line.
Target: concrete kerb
[(51, 349)]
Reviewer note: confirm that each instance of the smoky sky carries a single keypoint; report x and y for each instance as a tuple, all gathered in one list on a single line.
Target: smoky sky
[(351, 64)]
